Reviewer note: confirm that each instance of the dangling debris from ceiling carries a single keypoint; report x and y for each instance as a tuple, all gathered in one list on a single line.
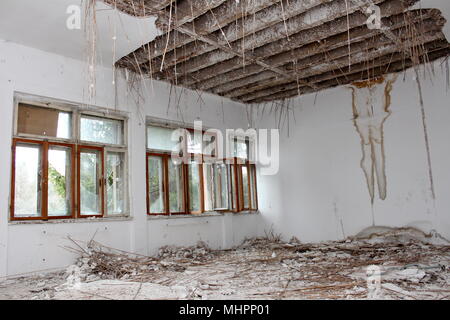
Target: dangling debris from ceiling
[(256, 51)]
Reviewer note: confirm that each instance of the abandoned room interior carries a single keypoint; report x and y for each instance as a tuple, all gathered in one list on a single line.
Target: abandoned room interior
[(224, 149)]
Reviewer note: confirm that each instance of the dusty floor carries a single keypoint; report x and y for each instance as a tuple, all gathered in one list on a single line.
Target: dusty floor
[(412, 266)]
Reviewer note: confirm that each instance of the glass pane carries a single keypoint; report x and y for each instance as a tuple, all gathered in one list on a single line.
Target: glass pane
[(159, 138), (241, 148), (59, 181), (208, 183), (194, 144), (253, 186), (101, 130), (233, 188), (245, 187), (155, 184), (220, 186), (44, 122), (194, 187), (176, 203), (209, 144), (90, 175), (115, 182), (27, 191)]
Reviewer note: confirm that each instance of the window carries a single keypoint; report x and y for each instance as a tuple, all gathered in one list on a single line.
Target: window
[(101, 130), (217, 186), (90, 187), (243, 175), (40, 121), (160, 139), (201, 182), (54, 177), (195, 187)]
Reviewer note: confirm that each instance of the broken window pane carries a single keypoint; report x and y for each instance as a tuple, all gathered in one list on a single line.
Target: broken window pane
[(194, 144), (233, 187), (115, 182), (220, 186), (208, 183), (245, 187), (241, 148), (101, 130), (194, 187), (210, 144), (90, 175), (176, 200), (59, 181), (42, 121), (156, 184), (253, 187), (159, 138), (28, 181)]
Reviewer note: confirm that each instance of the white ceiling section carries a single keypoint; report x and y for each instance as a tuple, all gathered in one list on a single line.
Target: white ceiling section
[(41, 24)]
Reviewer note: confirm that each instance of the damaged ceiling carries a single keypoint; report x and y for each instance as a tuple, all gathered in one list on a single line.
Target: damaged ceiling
[(257, 51)]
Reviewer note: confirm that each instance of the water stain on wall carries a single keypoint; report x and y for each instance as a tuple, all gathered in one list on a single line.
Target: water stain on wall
[(371, 102)]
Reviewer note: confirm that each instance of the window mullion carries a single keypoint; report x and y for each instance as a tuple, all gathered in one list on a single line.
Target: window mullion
[(44, 182), (202, 191), (166, 184), (249, 178), (102, 181), (187, 200)]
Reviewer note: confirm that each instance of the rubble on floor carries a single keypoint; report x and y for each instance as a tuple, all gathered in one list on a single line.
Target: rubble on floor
[(408, 263)]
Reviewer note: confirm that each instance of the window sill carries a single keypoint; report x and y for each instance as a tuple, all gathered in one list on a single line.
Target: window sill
[(71, 220), (203, 215), (244, 213), (184, 216)]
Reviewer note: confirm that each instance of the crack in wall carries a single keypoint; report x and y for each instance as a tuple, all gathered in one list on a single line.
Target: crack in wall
[(371, 100)]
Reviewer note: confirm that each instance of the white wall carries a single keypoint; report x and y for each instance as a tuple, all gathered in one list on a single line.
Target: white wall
[(38, 246), (320, 191)]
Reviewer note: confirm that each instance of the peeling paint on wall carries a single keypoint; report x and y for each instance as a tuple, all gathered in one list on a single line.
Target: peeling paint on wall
[(371, 102)]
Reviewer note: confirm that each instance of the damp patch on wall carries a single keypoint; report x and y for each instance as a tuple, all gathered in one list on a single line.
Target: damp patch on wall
[(371, 102)]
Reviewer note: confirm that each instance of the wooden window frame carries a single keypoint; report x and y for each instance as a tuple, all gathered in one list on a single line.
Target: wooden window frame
[(251, 171), (45, 146), (229, 189), (164, 183), (74, 143), (234, 171), (201, 186), (165, 161)]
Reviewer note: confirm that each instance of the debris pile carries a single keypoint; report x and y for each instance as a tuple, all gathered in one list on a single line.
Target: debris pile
[(200, 252), (380, 263), (99, 262)]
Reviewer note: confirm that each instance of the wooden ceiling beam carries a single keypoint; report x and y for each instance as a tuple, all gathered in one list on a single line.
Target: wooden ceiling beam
[(341, 25), (339, 64), (341, 56), (212, 20), (139, 8), (395, 62), (243, 28), (307, 20), (328, 49), (182, 13)]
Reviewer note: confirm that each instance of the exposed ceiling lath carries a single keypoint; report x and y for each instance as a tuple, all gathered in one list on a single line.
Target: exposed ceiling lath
[(256, 51)]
